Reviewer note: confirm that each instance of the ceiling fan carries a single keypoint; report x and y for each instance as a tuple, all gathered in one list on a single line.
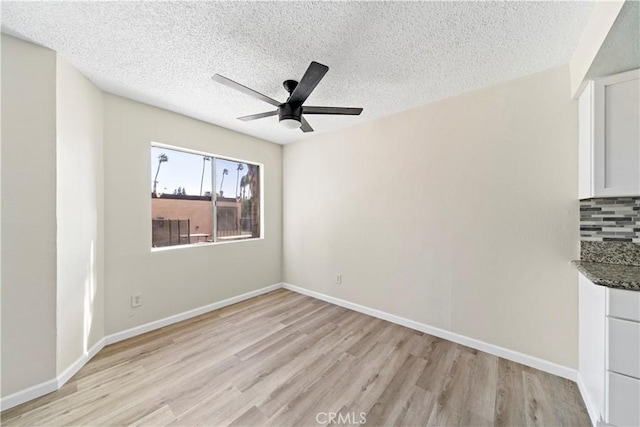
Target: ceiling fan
[(290, 112)]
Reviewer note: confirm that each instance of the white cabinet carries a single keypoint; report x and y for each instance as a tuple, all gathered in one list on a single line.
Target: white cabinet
[(609, 136), (609, 353), (624, 304), (624, 347), (624, 400), (623, 358), (592, 342), (585, 143)]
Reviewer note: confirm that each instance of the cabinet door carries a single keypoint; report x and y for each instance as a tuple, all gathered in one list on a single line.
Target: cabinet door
[(592, 341), (617, 135), (624, 304), (624, 347), (624, 395)]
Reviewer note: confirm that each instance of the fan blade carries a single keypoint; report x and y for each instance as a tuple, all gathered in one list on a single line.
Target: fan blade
[(308, 83), (305, 126), (348, 111), (258, 116), (237, 86)]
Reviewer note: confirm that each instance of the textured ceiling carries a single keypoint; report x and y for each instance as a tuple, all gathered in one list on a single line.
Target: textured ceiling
[(382, 56), (621, 49)]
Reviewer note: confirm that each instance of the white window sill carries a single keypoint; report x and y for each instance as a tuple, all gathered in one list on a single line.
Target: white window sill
[(204, 244)]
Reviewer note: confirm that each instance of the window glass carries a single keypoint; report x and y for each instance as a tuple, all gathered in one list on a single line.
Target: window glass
[(183, 204), (237, 200)]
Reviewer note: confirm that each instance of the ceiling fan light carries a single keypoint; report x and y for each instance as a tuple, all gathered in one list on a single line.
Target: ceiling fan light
[(290, 123)]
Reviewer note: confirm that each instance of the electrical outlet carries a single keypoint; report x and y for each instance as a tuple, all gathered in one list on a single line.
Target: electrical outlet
[(136, 300), (339, 279)]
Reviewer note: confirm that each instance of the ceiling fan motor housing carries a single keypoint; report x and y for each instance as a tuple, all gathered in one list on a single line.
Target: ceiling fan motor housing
[(289, 111)]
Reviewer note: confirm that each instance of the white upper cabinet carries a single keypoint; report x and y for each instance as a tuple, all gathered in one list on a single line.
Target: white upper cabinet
[(585, 143), (609, 136)]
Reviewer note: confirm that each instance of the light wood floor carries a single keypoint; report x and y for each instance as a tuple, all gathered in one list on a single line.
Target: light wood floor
[(282, 358)]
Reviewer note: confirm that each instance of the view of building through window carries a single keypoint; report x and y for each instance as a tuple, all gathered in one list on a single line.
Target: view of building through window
[(186, 197)]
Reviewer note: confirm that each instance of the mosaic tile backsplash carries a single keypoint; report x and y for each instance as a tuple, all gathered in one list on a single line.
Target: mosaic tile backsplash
[(610, 220)]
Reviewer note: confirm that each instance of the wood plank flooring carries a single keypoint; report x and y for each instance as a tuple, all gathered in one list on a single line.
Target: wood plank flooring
[(284, 359)]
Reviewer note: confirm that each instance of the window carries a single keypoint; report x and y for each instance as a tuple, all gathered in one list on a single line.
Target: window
[(198, 198)]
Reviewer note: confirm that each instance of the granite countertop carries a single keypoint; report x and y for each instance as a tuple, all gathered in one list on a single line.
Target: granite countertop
[(617, 276)]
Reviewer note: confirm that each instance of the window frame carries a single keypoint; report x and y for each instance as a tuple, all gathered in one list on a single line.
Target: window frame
[(214, 197)]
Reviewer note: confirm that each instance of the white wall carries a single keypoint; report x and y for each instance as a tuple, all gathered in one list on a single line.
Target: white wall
[(28, 282), (80, 290), (460, 214), (176, 280), (70, 156)]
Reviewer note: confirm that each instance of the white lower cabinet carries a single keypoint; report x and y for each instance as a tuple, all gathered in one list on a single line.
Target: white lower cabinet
[(624, 400), (624, 304), (623, 358), (609, 353), (624, 347), (592, 343)]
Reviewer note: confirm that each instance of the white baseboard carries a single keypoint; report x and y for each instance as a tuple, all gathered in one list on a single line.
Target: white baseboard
[(591, 408), (27, 394), (515, 356), (78, 364), (157, 324), (54, 384), (51, 385)]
